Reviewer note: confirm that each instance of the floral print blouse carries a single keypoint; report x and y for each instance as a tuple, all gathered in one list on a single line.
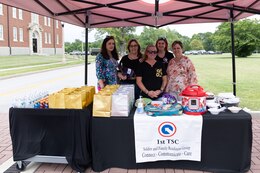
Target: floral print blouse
[(106, 69), (180, 75)]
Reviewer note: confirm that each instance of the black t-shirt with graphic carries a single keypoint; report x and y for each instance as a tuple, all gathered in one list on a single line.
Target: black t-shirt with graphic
[(151, 75), (165, 60), (128, 67)]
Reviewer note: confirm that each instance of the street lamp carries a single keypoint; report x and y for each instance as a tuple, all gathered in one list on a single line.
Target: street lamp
[(63, 44)]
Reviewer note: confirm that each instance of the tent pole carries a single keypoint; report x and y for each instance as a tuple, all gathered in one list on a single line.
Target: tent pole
[(86, 51), (233, 51)]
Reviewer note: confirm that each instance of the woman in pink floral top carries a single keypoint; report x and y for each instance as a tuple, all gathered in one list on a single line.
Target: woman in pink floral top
[(180, 72)]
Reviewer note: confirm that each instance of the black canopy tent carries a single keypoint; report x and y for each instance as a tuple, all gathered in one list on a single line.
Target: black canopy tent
[(153, 13)]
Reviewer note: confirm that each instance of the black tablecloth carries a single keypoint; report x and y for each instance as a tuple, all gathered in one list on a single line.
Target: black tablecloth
[(51, 132), (226, 144)]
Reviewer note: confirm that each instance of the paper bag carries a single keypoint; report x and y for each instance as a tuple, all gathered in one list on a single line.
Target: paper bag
[(121, 105), (102, 105), (74, 100)]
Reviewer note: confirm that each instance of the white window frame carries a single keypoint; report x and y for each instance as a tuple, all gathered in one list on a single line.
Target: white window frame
[(20, 14), (49, 37), (1, 32), (14, 13), (1, 10), (21, 34), (14, 34), (57, 39), (35, 18), (57, 24), (45, 38), (45, 21), (49, 21)]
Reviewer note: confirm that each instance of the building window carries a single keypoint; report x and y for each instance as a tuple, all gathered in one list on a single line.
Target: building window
[(45, 21), (1, 32), (1, 9), (45, 38), (49, 38), (57, 24), (20, 14), (35, 18), (14, 13), (14, 34), (21, 34), (57, 39), (49, 21)]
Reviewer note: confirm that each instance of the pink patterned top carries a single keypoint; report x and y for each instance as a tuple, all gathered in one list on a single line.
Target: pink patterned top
[(180, 75)]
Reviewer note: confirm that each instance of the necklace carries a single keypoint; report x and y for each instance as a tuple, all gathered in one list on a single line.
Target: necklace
[(132, 56)]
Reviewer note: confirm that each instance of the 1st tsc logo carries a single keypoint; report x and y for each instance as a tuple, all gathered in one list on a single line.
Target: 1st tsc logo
[(167, 129)]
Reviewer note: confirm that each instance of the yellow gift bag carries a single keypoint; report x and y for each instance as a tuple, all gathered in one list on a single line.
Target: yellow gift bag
[(102, 105), (73, 100)]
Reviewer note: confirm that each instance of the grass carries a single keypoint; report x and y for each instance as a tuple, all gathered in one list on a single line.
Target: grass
[(214, 72), (13, 65), (215, 75)]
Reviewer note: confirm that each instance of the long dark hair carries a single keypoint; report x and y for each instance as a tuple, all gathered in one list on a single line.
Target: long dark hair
[(104, 49), (165, 41), (139, 54)]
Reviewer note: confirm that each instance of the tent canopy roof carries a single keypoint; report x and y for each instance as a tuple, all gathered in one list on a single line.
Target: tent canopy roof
[(158, 13)]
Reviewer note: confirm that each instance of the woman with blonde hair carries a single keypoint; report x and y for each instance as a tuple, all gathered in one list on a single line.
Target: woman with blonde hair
[(151, 75)]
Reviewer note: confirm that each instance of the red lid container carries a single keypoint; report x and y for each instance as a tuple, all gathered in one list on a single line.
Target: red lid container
[(194, 91)]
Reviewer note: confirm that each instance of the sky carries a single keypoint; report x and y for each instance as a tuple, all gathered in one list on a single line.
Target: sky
[(72, 32)]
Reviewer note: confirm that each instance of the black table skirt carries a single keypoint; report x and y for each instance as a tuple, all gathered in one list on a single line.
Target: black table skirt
[(226, 144), (52, 132)]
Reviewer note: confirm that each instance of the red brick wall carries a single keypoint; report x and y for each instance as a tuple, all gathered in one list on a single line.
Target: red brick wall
[(3, 21), (24, 24)]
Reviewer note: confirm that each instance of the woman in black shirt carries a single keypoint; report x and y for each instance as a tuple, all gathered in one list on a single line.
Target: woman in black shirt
[(128, 65), (151, 75), (163, 54)]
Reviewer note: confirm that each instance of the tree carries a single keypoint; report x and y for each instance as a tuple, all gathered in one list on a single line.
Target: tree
[(121, 34), (196, 44), (150, 35), (206, 39), (75, 46), (246, 32)]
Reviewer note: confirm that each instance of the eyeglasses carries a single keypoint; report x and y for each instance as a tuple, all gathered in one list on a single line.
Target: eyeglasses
[(151, 52)]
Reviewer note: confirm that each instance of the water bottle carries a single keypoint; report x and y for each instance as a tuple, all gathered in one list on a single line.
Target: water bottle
[(140, 106)]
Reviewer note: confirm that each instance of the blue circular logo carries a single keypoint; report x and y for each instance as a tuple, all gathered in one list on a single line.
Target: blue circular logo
[(167, 129)]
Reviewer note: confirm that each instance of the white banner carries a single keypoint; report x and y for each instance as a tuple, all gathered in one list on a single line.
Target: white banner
[(167, 137)]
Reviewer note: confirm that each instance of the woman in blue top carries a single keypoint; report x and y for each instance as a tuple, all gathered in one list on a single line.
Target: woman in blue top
[(106, 63)]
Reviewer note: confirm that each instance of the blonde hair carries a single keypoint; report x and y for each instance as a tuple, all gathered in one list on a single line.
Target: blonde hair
[(146, 49)]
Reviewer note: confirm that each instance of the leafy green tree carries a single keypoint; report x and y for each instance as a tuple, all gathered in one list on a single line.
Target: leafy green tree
[(186, 42), (206, 39), (122, 36), (196, 44), (77, 45), (149, 35), (247, 36)]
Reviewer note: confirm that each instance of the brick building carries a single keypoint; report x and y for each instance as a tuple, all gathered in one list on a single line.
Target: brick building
[(26, 33)]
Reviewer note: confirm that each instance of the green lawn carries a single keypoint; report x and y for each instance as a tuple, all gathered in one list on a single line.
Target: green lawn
[(23, 64), (214, 72), (215, 75)]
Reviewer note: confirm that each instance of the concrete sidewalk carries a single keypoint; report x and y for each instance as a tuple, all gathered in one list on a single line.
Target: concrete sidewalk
[(6, 160)]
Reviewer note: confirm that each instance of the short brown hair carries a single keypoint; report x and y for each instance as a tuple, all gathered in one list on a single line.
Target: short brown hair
[(177, 42)]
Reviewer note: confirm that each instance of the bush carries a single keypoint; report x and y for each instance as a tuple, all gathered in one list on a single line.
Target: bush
[(244, 50)]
